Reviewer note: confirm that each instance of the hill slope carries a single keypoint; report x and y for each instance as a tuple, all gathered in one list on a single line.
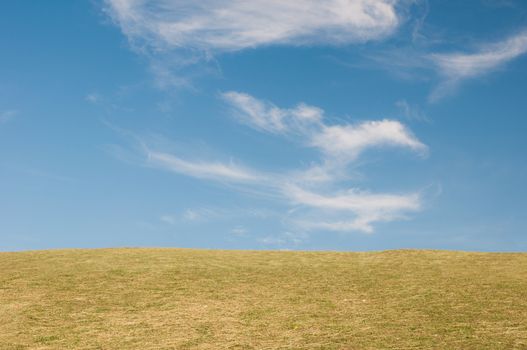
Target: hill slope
[(197, 299)]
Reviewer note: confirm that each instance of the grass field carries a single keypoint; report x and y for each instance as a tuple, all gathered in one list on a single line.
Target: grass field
[(198, 299)]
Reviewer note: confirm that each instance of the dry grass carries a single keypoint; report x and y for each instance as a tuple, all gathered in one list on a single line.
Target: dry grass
[(196, 299)]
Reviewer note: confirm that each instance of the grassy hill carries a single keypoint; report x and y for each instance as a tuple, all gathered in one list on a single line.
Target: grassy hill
[(198, 299)]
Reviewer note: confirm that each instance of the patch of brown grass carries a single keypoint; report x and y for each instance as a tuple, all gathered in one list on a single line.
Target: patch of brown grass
[(197, 299)]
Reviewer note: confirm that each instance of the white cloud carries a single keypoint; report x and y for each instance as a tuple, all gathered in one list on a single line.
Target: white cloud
[(366, 208), (178, 36), (353, 200), (200, 169), (412, 112), (489, 57), (192, 215), (211, 26), (318, 188), (8, 115), (326, 172), (350, 210), (265, 116), (348, 141), (455, 67), (451, 68), (344, 141)]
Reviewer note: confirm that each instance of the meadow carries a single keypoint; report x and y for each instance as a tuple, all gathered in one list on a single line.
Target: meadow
[(211, 299)]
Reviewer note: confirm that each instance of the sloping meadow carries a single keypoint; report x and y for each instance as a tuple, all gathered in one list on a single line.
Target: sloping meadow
[(207, 299)]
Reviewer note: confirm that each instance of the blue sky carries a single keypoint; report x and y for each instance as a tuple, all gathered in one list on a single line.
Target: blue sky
[(342, 125)]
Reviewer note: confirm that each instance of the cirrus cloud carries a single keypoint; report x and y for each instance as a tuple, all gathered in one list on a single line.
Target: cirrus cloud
[(458, 66), (344, 142), (320, 197), (201, 169), (177, 36), (212, 25), (353, 209)]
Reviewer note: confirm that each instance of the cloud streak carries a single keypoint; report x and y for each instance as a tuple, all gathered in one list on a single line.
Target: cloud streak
[(202, 169), (265, 116), (178, 36), (455, 67), (448, 68), (212, 26), (343, 141), (318, 190), (367, 208), (489, 57), (349, 141)]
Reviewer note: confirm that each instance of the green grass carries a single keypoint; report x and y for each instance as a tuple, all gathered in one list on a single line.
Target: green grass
[(197, 299)]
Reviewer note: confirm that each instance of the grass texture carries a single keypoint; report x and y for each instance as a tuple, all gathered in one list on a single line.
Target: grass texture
[(207, 299)]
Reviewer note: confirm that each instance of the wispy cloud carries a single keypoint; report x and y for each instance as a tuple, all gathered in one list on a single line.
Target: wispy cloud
[(411, 112), (455, 67), (265, 116), (202, 169), (211, 213), (179, 34), (324, 186), (354, 200), (349, 141), (487, 58), (8, 115), (367, 208), (191, 215), (447, 69), (343, 141), (233, 25)]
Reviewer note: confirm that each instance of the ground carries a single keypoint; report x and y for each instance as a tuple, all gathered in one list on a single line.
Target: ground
[(207, 299)]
